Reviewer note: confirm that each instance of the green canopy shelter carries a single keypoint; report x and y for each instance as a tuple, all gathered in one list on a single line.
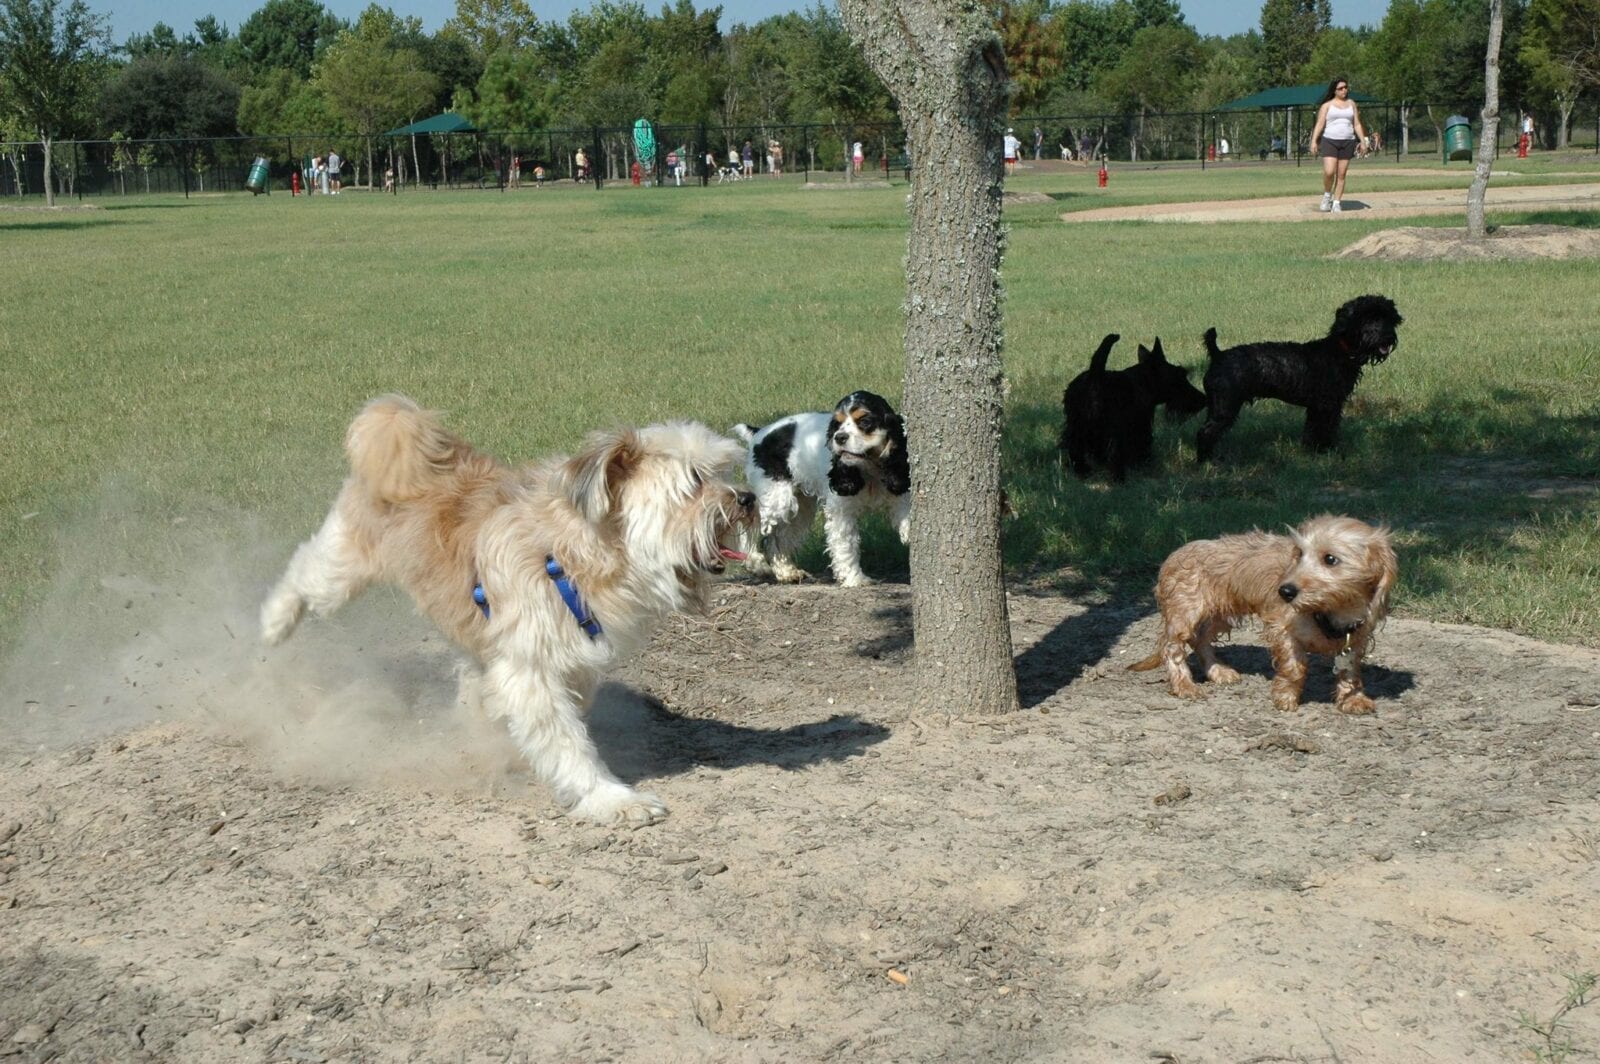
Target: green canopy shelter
[(449, 122)]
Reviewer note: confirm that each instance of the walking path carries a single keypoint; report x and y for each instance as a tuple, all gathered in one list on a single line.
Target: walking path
[(1368, 205)]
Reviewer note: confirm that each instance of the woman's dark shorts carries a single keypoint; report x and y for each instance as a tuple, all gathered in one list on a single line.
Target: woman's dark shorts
[(1336, 149)]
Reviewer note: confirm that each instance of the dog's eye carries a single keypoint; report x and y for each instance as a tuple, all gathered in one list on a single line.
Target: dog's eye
[(1330, 560), (865, 424)]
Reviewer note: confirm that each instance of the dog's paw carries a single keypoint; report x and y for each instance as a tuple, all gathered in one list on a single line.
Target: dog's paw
[(1220, 673), (1286, 701), (785, 573), (616, 804), (1185, 688), (1357, 706), (855, 580), (279, 616)]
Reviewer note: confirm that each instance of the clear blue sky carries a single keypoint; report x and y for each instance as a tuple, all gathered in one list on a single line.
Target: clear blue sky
[(137, 16)]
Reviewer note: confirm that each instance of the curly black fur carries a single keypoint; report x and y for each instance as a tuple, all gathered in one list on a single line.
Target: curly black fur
[(1109, 417), (1318, 375)]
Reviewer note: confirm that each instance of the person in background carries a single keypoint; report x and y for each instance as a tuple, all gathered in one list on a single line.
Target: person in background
[(775, 149), (747, 159), (1013, 145), (334, 163), (1338, 130), (1038, 143)]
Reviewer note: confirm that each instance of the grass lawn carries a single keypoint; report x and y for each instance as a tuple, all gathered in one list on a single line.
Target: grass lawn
[(179, 373)]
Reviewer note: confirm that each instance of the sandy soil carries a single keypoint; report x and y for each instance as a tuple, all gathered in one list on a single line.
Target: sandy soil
[(308, 855), (1357, 203)]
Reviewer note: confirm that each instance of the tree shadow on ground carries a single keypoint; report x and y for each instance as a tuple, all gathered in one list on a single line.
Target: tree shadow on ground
[(640, 736), (1380, 682), (55, 224)]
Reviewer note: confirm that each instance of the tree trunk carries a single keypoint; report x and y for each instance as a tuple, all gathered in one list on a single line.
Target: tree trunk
[(1405, 129), (49, 177), (1476, 229), (946, 68), (1565, 103)]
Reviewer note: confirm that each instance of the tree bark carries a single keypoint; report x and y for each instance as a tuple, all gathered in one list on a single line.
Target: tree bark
[(49, 177), (1476, 229), (945, 66)]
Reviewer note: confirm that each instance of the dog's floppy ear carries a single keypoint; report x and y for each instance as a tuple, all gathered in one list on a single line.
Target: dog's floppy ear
[(1385, 567), (896, 468), (592, 478)]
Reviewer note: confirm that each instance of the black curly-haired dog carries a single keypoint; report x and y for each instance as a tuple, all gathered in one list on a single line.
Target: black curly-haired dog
[(1109, 415), (1318, 375)]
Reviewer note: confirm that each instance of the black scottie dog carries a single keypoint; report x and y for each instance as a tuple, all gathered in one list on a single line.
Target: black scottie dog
[(1318, 375), (1110, 415)]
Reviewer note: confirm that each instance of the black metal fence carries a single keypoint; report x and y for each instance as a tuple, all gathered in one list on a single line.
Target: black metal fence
[(691, 155)]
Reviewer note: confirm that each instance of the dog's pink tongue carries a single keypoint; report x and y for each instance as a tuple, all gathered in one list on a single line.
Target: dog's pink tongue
[(731, 555)]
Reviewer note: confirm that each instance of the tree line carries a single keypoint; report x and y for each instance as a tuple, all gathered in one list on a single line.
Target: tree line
[(293, 67)]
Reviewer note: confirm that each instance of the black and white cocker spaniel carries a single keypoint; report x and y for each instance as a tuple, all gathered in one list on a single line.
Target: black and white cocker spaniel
[(851, 460)]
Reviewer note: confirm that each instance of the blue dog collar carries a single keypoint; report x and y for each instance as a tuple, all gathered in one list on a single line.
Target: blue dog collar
[(569, 595)]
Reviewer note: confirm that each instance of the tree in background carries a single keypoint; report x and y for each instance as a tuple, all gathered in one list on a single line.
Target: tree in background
[(1397, 58), (368, 82), (946, 68), (1033, 51), (48, 66), (493, 26), (170, 96), (1561, 48), (1157, 73), (1289, 32), (287, 35), (1337, 54), (836, 85)]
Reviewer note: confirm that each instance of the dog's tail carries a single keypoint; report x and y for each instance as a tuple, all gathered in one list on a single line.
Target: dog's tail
[(398, 450), (1102, 354), (1148, 663), (1212, 349), (747, 433)]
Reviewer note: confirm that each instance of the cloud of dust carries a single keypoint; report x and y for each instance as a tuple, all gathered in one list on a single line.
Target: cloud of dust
[(130, 635)]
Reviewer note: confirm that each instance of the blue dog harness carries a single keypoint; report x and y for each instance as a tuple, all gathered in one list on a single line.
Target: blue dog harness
[(569, 595)]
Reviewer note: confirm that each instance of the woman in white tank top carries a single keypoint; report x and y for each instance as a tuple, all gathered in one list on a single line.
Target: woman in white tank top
[(1337, 133)]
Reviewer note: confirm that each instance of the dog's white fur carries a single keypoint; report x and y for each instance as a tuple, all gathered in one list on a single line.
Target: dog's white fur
[(789, 506), (636, 519)]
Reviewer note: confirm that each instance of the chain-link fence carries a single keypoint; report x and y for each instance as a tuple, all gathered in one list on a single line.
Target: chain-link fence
[(698, 155)]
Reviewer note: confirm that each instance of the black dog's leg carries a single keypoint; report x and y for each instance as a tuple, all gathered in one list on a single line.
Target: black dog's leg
[(1075, 449), (1221, 418), (1322, 428)]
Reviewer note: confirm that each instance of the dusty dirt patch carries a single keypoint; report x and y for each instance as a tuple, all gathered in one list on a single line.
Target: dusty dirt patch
[(1108, 875), (1420, 243)]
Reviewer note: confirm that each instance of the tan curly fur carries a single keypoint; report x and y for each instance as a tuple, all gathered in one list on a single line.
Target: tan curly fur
[(1321, 589)]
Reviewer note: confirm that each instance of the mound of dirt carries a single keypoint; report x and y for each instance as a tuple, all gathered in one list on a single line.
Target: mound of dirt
[(312, 859), (1504, 242)]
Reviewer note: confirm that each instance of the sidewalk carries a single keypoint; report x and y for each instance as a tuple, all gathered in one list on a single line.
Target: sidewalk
[(1368, 205)]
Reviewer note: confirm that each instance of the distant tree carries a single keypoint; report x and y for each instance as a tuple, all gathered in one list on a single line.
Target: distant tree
[(370, 84), (1398, 58), (1337, 54), (836, 84), (1561, 49), (161, 96), (1157, 73), (48, 66), (287, 35), (513, 94), (1289, 32), (491, 26), (282, 104), (1033, 50)]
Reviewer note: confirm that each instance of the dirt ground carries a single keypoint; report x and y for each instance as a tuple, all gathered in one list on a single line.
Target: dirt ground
[(309, 855), (1358, 202)]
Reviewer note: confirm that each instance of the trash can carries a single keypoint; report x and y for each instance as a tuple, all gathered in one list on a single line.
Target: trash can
[(257, 181), (1458, 137)]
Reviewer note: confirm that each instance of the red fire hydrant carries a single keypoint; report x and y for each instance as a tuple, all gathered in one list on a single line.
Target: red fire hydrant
[(1522, 146), (637, 171), (1104, 176), (294, 182)]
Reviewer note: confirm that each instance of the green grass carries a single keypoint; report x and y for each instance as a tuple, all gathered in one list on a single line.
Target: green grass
[(180, 372)]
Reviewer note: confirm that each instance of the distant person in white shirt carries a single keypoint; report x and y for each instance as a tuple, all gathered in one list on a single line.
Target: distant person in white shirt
[(1013, 145), (1338, 130)]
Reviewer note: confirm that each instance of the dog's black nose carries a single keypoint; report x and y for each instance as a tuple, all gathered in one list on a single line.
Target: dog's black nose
[(841, 438), (1287, 592), (746, 500)]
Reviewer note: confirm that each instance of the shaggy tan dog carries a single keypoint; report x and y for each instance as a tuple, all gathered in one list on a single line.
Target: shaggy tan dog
[(1321, 589), (544, 575)]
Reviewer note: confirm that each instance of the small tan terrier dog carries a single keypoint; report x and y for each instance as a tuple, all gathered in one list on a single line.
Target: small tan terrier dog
[(1322, 589)]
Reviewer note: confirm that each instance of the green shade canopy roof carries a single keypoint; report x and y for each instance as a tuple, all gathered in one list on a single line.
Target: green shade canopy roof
[(449, 122), (1290, 96)]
